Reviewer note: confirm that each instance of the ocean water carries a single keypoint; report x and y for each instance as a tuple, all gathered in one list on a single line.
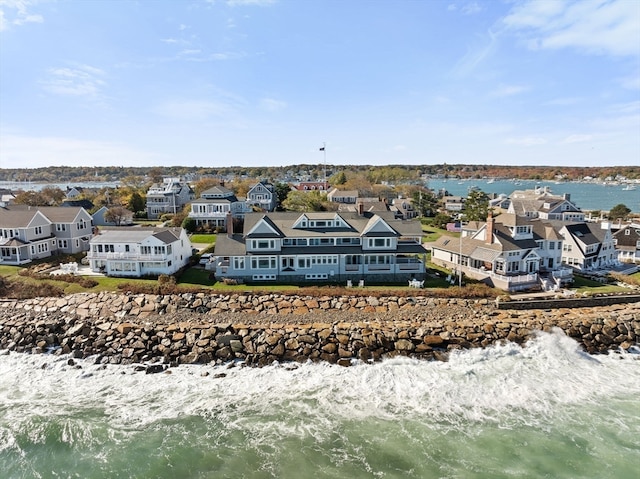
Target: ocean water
[(587, 196), (547, 410)]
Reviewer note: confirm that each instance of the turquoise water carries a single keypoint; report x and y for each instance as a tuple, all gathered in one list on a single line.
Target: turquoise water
[(587, 196), (546, 410)]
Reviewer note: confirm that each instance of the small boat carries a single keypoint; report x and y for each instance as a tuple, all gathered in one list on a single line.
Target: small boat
[(629, 188)]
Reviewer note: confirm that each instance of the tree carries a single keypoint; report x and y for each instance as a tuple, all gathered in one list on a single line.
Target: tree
[(441, 220), (305, 201), (619, 211), (338, 179), (117, 215), (282, 191), (136, 202), (189, 224), (476, 206), (424, 202)]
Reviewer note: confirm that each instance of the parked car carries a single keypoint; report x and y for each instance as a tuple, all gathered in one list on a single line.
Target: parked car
[(206, 258)]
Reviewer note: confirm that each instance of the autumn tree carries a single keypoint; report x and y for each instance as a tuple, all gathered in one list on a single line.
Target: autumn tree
[(305, 201), (117, 215)]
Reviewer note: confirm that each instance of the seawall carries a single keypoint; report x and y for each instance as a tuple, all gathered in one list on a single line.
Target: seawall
[(259, 329)]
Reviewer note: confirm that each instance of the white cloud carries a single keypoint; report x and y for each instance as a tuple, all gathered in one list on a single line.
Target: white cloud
[(471, 8), (631, 82), (594, 26), (272, 105), (509, 90), (577, 138), (83, 80), (526, 141), (17, 12)]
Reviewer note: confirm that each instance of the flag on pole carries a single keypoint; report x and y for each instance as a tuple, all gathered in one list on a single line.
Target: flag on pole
[(322, 148)]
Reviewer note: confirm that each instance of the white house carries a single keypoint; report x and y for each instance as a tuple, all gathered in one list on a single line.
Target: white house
[(541, 203), (588, 246), (627, 243), (168, 197), (138, 252), (213, 206), (507, 252), (328, 247)]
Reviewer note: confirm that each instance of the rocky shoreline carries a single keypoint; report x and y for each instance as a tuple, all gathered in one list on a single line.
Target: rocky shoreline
[(202, 328)]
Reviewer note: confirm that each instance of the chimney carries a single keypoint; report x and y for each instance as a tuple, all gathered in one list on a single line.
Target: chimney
[(489, 232), (229, 222), (360, 208)]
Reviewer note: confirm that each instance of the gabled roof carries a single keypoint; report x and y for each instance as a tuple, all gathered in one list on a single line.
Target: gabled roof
[(20, 217), (62, 214), (136, 235), (218, 192), (264, 228)]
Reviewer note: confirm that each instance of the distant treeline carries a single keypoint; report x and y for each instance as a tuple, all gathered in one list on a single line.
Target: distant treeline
[(399, 173)]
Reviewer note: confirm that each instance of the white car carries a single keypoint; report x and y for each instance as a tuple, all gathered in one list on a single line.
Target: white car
[(206, 258)]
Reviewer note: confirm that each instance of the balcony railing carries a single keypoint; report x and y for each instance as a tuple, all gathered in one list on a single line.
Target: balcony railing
[(127, 256)]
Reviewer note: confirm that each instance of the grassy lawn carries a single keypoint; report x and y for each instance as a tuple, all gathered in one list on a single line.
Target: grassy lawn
[(583, 285), (203, 238), (431, 233)]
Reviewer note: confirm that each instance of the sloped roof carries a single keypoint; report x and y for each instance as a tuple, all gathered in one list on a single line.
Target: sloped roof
[(136, 235)]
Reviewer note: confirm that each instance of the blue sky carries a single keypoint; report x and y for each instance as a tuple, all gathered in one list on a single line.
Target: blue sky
[(268, 82)]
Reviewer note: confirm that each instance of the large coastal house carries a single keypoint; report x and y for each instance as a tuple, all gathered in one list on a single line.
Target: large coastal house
[(508, 252), (137, 252), (327, 247), (32, 232), (168, 197), (262, 195), (541, 203), (214, 205)]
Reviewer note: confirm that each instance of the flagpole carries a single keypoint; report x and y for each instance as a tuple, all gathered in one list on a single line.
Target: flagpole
[(324, 153)]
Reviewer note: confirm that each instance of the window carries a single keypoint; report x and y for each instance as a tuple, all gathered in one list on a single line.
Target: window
[(62, 244), (379, 242), (263, 262), (126, 248), (38, 230), (238, 262), (552, 245), (61, 227)]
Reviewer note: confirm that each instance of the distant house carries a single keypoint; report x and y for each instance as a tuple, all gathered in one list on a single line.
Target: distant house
[(263, 196), (29, 233), (312, 186), (6, 197), (99, 219), (138, 252), (453, 203), (291, 247), (403, 208), (86, 204), (540, 203), (168, 197), (627, 243), (342, 196), (214, 205)]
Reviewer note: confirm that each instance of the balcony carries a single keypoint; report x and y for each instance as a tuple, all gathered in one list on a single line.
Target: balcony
[(127, 256)]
